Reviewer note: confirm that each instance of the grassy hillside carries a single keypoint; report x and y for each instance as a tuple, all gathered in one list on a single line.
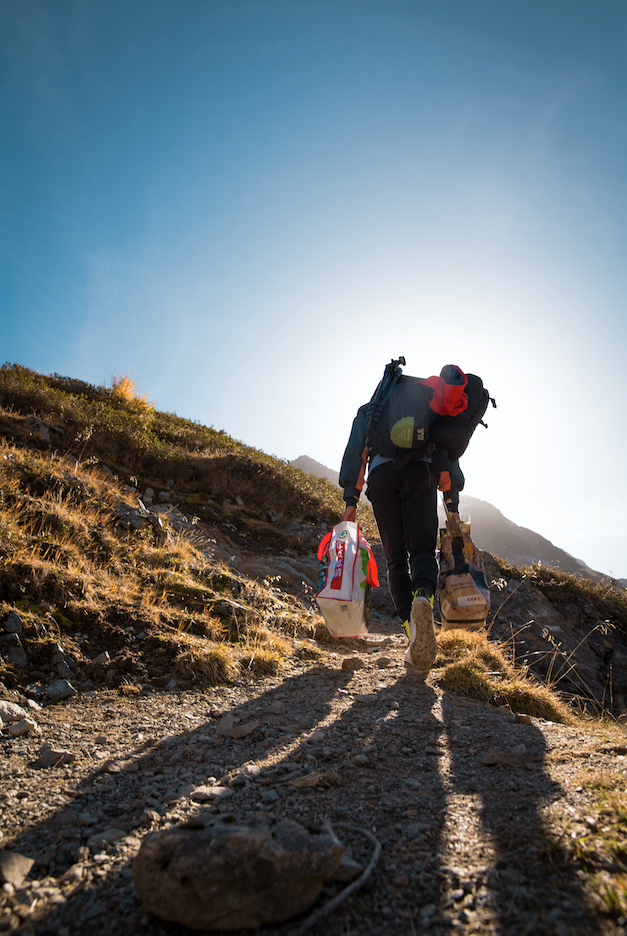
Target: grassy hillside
[(159, 603), (70, 455)]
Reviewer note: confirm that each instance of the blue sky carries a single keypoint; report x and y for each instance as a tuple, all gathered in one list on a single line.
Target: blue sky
[(254, 206)]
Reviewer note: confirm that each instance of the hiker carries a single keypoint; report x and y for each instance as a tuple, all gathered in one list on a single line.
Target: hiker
[(402, 488)]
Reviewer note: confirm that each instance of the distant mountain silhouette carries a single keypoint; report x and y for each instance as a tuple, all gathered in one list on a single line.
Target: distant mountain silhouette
[(491, 531), (494, 533), (311, 466)]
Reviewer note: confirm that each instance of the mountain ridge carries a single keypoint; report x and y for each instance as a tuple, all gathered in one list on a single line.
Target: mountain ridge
[(493, 531)]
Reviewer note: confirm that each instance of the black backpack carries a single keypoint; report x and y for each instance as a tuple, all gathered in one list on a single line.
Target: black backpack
[(400, 421), (405, 420), (454, 432)]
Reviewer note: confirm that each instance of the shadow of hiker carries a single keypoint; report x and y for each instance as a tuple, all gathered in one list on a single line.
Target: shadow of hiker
[(150, 785), (167, 768), (505, 876)]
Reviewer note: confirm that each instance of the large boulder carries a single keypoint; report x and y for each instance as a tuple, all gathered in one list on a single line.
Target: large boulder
[(233, 876)]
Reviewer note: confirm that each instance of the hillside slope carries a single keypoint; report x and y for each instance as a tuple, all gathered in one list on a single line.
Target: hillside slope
[(119, 520), (158, 629)]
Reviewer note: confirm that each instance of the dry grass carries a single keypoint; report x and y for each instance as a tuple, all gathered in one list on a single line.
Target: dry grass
[(126, 388), (600, 846), (97, 424), (70, 570), (469, 665)]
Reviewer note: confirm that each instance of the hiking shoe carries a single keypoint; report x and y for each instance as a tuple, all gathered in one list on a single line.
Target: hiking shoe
[(423, 646)]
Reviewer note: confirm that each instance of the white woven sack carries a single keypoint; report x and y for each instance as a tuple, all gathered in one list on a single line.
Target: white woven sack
[(342, 599)]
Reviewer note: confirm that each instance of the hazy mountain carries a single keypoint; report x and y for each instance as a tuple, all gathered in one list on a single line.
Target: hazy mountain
[(491, 531), (311, 466)]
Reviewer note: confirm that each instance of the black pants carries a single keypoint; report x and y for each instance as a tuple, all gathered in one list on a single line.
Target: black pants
[(405, 508)]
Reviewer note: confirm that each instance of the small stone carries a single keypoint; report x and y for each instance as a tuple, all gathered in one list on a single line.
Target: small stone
[(275, 708), (352, 664), (103, 659), (519, 749), (524, 719), (60, 689), (383, 662), (11, 712), (51, 757), (148, 817), (227, 726), (171, 685), (109, 836), (361, 760), (204, 794), (14, 868), (12, 624), (24, 726), (270, 796), (232, 876), (18, 657)]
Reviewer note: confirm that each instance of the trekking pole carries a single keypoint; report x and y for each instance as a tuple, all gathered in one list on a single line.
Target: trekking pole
[(390, 375)]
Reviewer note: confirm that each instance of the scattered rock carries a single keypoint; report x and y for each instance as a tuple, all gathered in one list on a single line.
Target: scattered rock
[(37, 429), (51, 757), (17, 655), (60, 689), (103, 659), (204, 794), (234, 876), (12, 624), (228, 726), (11, 712), (24, 726), (352, 664), (524, 719), (14, 867), (273, 516), (109, 835)]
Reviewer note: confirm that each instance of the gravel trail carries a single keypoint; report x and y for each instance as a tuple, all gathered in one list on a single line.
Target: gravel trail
[(464, 847)]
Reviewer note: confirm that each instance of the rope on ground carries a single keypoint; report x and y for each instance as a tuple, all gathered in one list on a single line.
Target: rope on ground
[(348, 891)]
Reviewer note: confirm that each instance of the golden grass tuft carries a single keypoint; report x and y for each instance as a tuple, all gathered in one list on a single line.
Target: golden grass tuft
[(206, 665), (125, 388), (469, 665)]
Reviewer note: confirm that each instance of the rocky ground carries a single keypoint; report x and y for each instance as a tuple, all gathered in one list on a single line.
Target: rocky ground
[(472, 806)]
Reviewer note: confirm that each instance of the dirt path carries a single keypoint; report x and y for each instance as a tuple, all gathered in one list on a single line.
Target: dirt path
[(463, 843)]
